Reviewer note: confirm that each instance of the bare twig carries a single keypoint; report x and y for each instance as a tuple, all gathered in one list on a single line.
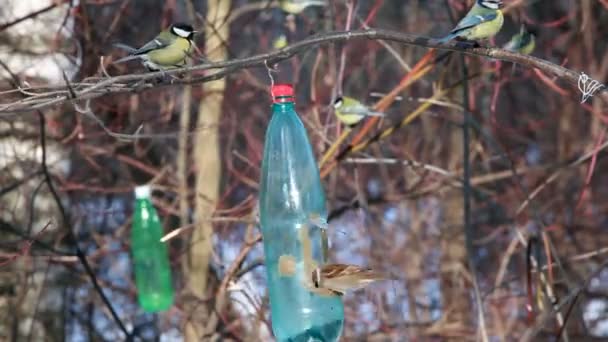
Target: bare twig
[(70, 233), (556, 174), (29, 16)]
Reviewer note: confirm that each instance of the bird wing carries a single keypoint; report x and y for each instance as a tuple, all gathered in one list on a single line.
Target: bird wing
[(342, 278), (375, 114), (335, 270), (155, 44), (514, 44), (473, 20), (360, 110)]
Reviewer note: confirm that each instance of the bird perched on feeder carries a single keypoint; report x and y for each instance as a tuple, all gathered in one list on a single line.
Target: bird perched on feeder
[(483, 21), (337, 279), (523, 42), (167, 50), (350, 111), (298, 6)]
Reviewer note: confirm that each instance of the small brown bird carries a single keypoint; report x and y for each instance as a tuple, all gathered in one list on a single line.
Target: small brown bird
[(337, 279)]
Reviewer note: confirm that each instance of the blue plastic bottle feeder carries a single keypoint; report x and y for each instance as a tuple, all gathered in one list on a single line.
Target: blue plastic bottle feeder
[(292, 203)]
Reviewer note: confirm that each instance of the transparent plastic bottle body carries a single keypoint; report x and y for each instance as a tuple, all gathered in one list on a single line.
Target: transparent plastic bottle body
[(290, 194), (150, 258)]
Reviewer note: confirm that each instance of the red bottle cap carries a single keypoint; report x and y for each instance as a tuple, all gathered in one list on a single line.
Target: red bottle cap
[(282, 93)]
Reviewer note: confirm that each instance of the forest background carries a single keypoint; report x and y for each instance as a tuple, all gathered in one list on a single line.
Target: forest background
[(480, 180)]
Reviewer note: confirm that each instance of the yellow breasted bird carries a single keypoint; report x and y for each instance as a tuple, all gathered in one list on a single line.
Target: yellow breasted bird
[(350, 111), (298, 6), (483, 21), (523, 42), (167, 50), (280, 42)]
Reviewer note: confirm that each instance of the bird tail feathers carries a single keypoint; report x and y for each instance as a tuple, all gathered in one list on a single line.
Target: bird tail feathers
[(376, 275), (125, 47), (447, 38), (129, 49), (126, 59)]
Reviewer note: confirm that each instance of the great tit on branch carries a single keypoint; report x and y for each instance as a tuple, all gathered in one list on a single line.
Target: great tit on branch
[(167, 50)]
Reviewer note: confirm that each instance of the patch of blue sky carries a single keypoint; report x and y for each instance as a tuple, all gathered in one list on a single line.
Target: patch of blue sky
[(76, 333), (116, 212), (533, 154), (349, 241), (395, 294), (171, 335), (374, 188), (595, 315), (121, 267), (93, 211), (600, 282), (391, 214), (433, 297), (482, 252), (227, 251), (368, 313)]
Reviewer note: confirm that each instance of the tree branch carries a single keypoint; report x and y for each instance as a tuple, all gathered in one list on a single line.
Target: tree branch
[(94, 87)]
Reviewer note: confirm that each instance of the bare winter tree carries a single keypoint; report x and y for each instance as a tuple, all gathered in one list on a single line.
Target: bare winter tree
[(481, 189)]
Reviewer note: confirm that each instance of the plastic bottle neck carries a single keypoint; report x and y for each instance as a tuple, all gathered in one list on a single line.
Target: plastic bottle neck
[(143, 203), (282, 106)]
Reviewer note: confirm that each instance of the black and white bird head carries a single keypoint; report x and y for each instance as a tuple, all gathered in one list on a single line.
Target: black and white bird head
[(338, 102), (182, 30), (490, 4)]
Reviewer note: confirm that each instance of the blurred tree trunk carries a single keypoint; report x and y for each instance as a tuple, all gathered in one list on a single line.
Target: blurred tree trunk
[(208, 165), (598, 67), (456, 305), (414, 267), (8, 291)]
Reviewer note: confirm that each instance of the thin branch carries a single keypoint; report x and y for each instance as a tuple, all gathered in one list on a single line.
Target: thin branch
[(17, 183), (70, 233), (557, 173), (29, 16)]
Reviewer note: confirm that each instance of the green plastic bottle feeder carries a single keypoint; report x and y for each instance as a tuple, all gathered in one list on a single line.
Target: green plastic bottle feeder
[(150, 259)]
